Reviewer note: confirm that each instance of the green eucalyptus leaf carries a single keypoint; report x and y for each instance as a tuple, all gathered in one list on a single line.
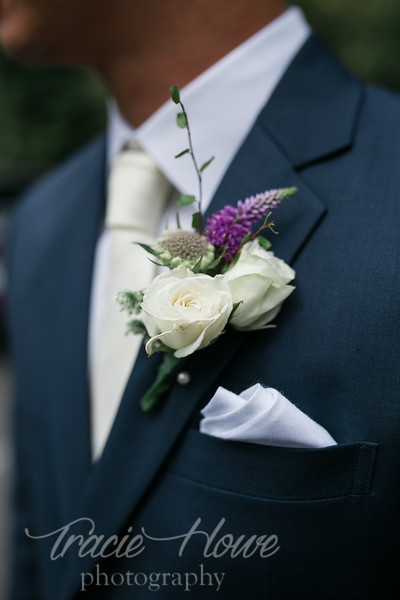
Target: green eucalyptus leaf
[(233, 262), (205, 165), (178, 221), (196, 220), (175, 95), (185, 200), (245, 239), (148, 248), (266, 244), (181, 120), (197, 266), (158, 264), (266, 221), (183, 153), (234, 309), (216, 262)]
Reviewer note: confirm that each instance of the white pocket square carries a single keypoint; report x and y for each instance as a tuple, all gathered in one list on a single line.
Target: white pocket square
[(261, 416)]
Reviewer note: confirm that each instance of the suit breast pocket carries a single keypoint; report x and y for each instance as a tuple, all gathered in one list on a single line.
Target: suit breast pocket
[(275, 473), (279, 522)]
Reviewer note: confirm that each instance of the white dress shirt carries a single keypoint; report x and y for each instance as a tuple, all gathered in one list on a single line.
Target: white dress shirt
[(222, 105)]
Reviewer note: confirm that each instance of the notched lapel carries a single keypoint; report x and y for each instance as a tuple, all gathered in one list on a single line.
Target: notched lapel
[(311, 116), (314, 110), (261, 165)]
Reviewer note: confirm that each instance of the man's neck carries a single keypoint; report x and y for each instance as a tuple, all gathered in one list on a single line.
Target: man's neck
[(177, 53)]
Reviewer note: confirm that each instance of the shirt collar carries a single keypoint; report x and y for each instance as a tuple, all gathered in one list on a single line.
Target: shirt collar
[(222, 104)]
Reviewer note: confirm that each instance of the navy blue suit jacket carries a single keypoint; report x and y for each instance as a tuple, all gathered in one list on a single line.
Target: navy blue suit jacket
[(334, 353)]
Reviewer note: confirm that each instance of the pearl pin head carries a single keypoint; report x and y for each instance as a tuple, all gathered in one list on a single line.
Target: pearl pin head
[(183, 378)]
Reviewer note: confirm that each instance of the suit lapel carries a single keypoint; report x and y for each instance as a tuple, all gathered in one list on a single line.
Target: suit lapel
[(288, 135), (261, 165), (139, 444), (311, 116), (313, 112)]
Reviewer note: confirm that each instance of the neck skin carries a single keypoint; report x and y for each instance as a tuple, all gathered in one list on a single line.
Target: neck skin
[(173, 45)]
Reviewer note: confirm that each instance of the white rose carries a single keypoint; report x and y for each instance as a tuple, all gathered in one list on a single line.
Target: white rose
[(185, 311), (259, 281)]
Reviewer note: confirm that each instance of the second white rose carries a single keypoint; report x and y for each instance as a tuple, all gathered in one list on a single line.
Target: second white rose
[(185, 311), (259, 281)]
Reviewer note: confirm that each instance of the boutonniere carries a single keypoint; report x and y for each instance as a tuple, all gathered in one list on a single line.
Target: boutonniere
[(221, 274)]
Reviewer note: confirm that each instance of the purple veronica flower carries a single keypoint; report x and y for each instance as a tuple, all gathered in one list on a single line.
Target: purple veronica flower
[(227, 227)]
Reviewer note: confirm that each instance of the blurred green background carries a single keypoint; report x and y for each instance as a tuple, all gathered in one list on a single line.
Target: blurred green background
[(46, 113)]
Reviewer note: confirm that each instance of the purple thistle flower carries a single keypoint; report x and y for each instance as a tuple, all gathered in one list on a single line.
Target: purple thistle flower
[(227, 227)]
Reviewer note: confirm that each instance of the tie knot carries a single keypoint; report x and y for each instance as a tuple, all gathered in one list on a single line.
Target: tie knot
[(137, 192)]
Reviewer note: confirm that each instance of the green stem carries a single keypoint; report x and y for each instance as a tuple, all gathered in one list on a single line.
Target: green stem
[(166, 374), (198, 172), (253, 237)]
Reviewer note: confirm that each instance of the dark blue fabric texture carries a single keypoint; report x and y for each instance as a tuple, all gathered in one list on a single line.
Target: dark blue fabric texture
[(334, 353)]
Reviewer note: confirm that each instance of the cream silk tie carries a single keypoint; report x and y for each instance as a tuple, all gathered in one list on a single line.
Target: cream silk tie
[(137, 194)]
